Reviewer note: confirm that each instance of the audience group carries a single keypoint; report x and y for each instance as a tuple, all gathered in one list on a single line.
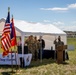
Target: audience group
[(34, 45)]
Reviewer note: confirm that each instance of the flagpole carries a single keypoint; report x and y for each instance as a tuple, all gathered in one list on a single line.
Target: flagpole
[(18, 60), (15, 57), (15, 53), (15, 45), (11, 48), (11, 61)]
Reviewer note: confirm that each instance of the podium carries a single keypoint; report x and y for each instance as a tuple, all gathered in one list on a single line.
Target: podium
[(60, 50)]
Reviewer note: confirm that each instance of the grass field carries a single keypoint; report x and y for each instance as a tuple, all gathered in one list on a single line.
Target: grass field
[(72, 41), (47, 67)]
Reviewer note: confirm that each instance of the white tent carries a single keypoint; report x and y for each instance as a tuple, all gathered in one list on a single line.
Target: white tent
[(48, 31)]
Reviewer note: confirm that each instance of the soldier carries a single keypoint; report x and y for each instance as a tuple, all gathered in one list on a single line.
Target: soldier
[(59, 42), (36, 48), (30, 44)]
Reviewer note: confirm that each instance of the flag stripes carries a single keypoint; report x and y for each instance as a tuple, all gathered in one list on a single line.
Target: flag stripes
[(6, 39), (6, 42), (6, 28)]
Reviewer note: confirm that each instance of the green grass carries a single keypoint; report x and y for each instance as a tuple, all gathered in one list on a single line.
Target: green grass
[(47, 67), (72, 41)]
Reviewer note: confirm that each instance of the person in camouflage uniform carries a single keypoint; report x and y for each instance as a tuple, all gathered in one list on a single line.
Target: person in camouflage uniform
[(36, 48), (30, 44), (58, 43)]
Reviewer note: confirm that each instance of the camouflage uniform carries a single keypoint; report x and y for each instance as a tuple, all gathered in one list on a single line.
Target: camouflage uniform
[(30, 44), (59, 43), (36, 48)]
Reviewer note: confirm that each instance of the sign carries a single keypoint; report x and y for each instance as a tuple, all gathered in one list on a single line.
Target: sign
[(16, 60)]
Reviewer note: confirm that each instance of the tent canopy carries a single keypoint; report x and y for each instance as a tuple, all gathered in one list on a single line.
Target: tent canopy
[(38, 29), (29, 28)]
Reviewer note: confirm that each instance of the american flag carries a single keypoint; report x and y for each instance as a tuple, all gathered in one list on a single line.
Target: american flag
[(5, 39)]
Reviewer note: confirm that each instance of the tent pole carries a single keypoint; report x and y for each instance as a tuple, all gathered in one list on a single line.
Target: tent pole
[(41, 51), (22, 37), (55, 49)]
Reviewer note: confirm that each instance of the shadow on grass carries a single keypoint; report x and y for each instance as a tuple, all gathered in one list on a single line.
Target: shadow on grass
[(64, 63), (44, 62), (8, 73), (7, 66), (39, 63), (36, 64), (5, 73)]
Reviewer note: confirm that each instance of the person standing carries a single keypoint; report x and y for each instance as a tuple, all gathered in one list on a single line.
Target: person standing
[(59, 43), (42, 42), (42, 46), (36, 48), (30, 44)]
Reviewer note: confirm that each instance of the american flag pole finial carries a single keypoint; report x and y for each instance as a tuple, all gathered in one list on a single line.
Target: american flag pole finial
[(8, 9)]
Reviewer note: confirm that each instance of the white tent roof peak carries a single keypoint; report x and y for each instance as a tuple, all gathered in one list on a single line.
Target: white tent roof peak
[(37, 28)]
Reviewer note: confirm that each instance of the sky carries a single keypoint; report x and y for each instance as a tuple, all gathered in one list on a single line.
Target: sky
[(61, 13)]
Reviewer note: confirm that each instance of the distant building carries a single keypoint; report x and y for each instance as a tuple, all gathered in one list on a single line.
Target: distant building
[(71, 34)]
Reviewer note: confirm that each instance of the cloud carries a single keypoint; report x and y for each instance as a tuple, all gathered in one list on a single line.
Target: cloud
[(74, 22), (46, 21), (58, 23), (55, 9), (68, 28), (63, 27), (70, 6)]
